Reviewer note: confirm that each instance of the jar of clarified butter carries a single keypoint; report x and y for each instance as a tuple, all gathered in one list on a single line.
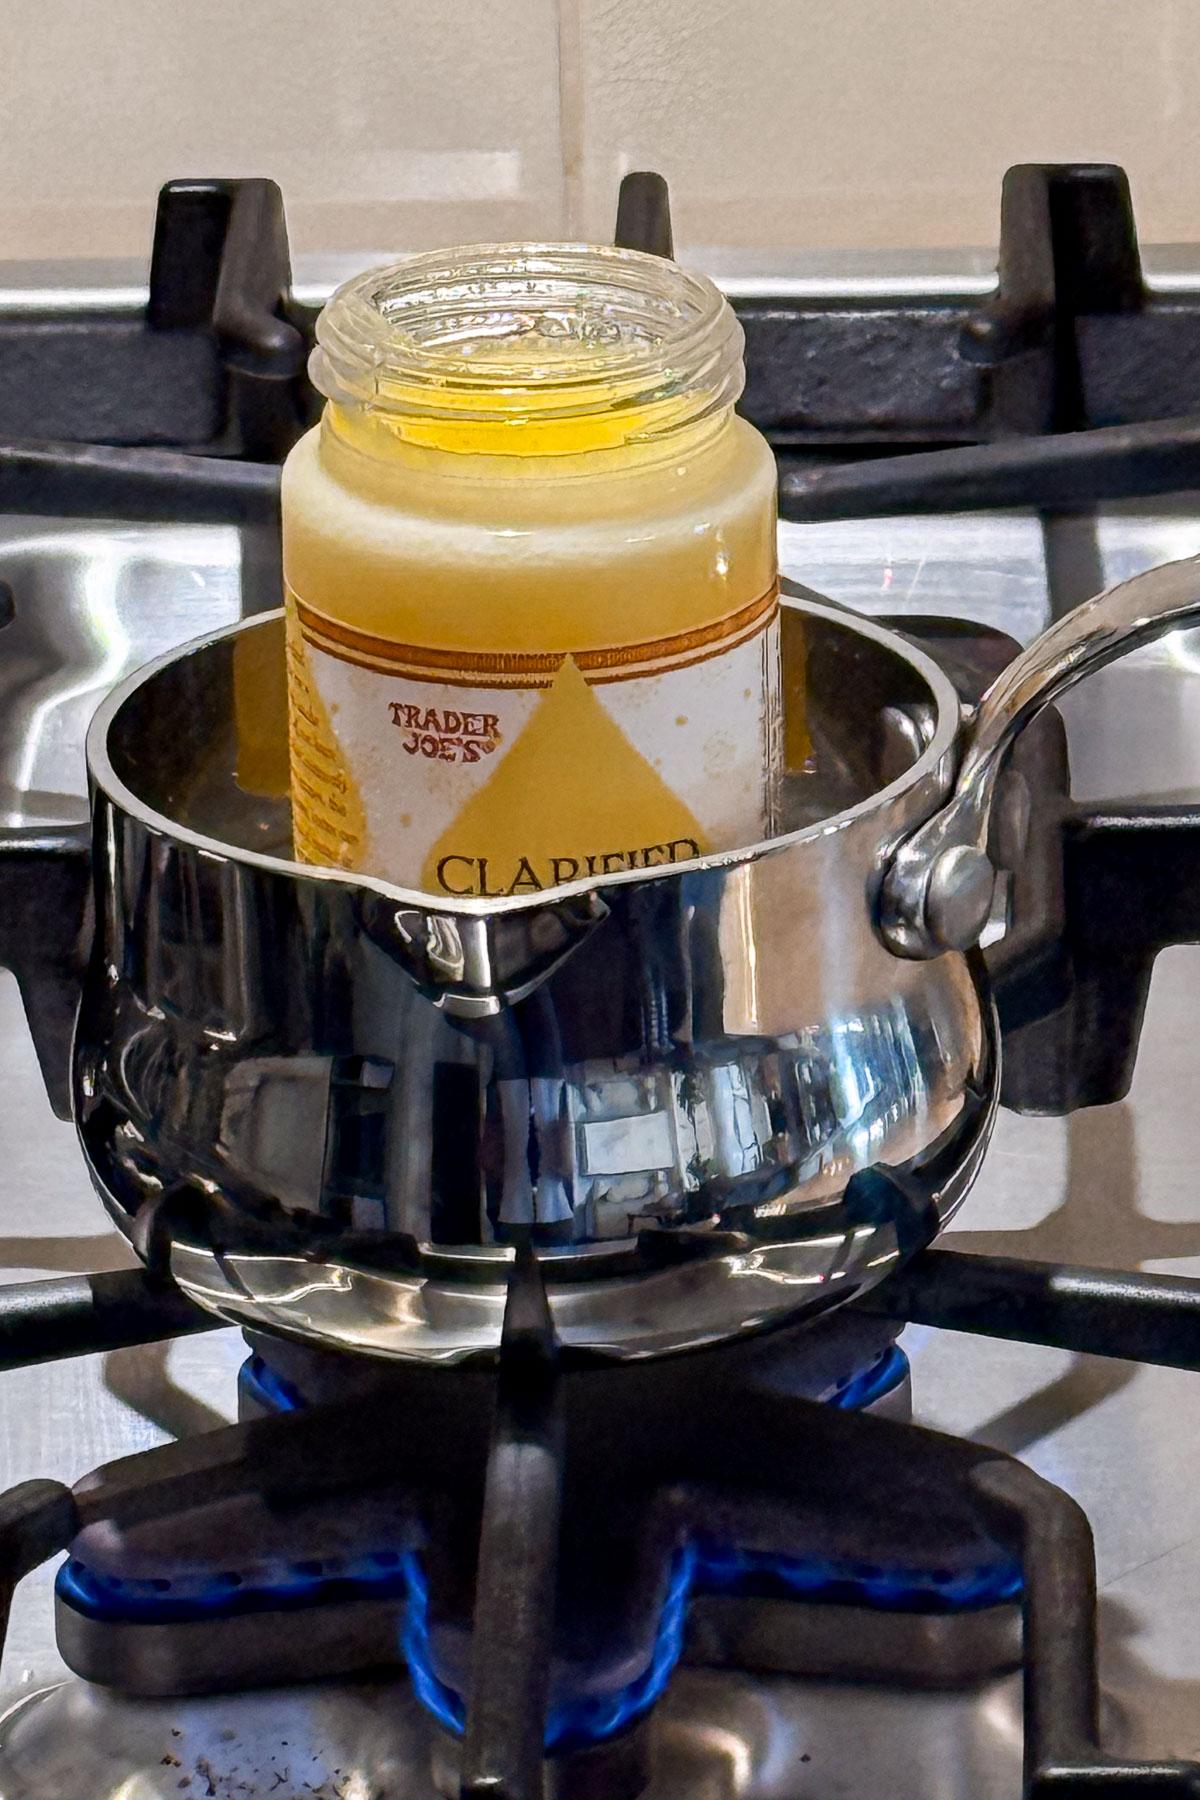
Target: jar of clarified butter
[(531, 577)]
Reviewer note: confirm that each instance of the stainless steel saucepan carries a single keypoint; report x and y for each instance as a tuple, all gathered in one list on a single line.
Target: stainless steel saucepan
[(713, 1095)]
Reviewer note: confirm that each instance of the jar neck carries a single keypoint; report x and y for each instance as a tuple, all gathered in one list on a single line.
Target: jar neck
[(528, 353), (572, 445)]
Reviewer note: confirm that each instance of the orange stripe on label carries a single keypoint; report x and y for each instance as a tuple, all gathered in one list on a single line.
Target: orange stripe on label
[(533, 669)]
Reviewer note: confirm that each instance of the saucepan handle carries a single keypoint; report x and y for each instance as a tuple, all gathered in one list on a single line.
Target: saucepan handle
[(937, 892)]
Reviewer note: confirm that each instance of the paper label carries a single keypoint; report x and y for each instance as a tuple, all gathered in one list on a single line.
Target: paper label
[(494, 773)]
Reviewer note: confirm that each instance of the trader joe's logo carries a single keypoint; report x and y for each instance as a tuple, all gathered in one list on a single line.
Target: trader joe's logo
[(443, 733)]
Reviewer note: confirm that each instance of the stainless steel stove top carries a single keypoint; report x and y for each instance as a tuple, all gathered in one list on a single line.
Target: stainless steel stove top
[(1110, 1187), (715, 1737)]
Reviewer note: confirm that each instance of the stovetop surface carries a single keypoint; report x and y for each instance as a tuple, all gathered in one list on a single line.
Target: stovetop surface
[(718, 1737), (1111, 1187)]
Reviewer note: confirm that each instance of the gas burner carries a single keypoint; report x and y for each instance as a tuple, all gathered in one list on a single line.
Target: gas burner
[(566, 1548), (210, 1599)]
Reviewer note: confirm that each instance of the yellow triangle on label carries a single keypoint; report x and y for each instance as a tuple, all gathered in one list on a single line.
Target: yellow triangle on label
[(572, 797)]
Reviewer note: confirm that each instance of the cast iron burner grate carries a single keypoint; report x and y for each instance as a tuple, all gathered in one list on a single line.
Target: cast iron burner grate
[(1050, 391)]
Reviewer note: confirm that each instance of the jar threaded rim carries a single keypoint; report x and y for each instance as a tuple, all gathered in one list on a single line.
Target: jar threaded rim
[(508, 334)]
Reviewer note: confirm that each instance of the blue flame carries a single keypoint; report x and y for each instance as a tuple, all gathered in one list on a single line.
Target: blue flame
[(591, 1718), (721, 1570), (697, 1567), (433, 1693), (873, 1384), (259, 1382), (570, 1724), (376, 1576)]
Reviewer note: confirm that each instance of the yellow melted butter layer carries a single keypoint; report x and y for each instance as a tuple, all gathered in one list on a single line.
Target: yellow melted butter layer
[(531, 552)]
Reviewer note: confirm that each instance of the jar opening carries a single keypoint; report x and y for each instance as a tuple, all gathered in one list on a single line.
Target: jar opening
[(503, 346)]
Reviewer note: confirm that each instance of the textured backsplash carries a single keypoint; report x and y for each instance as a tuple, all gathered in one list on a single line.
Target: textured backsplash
[(393, 124)]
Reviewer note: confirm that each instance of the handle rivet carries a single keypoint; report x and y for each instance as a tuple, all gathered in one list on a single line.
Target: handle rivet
[(958, 898)]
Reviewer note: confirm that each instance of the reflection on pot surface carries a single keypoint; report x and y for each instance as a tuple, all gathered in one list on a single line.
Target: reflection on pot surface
[(602, 1150)]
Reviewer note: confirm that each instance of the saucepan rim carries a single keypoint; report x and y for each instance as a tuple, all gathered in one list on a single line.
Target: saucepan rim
[(947, 720)]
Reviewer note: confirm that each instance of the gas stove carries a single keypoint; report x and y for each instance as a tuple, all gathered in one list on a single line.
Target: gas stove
[(742, 1574)]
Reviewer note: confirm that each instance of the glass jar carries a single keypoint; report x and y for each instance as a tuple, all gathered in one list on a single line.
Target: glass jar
[(530, 564)]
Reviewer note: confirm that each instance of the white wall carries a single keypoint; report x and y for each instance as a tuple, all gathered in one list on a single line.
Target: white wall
[(398, 123)]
